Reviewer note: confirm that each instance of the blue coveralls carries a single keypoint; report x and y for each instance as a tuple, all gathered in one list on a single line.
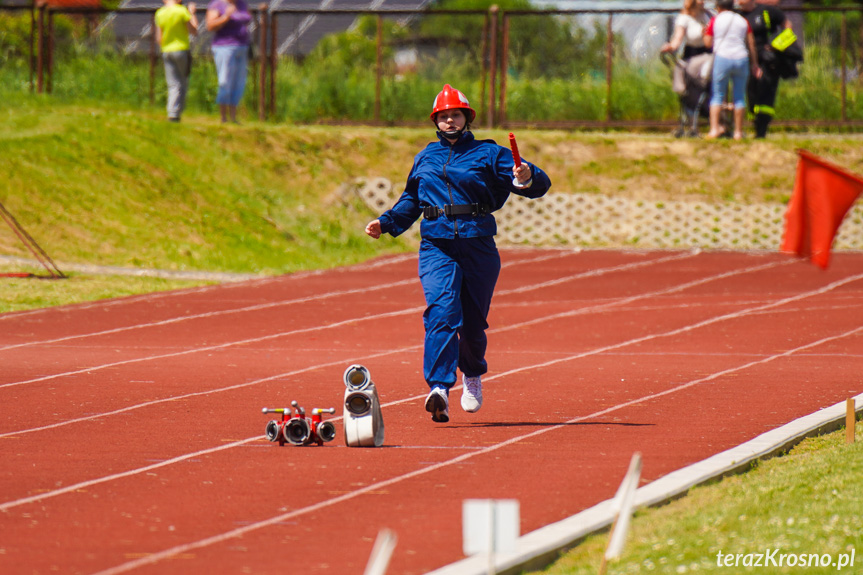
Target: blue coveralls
[(458, 259)]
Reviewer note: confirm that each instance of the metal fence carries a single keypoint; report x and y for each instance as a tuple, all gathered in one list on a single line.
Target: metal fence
[(545, 68)]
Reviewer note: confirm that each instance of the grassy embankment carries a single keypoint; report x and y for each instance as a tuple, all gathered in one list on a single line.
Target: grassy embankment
[(110, 186)]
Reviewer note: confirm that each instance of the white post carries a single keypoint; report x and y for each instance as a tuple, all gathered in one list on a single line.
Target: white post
[(491, 536), (381, 553)]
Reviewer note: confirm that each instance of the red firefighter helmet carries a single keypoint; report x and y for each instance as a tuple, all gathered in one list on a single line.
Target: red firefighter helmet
[(450, 99)]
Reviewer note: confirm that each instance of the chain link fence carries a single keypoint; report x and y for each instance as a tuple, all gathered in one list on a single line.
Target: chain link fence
[(544, 68)]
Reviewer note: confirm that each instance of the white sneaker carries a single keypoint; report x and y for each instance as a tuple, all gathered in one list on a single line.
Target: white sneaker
[(471, 395), (437, 403)]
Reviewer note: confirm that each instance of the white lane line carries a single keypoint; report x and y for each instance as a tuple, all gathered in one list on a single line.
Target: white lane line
[(694, 326), (286, 375), (185, 292), (212, 347), (206, 542), (210, 314), (631, 299), (597, 351), (253, 308), (591, 309), (591, 273)]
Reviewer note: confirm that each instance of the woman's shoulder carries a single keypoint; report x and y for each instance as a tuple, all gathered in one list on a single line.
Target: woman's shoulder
[(729, 16), (427, 152), (486, 142), (683, 19)]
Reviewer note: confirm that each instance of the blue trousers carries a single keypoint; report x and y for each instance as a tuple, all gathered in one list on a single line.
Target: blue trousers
[(231, 63), (458, 278), (734, 71)]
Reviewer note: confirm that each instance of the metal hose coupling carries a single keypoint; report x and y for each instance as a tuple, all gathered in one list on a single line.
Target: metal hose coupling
[(364, 421), (295, 428)]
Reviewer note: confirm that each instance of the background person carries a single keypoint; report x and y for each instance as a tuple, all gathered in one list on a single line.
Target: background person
[(689, 30), (229, 21), (456, 183), (730, 37), (687, 81), (766, 22), (174, 23)]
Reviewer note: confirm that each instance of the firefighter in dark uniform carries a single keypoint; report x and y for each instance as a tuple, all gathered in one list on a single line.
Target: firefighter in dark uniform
[(766, 22)]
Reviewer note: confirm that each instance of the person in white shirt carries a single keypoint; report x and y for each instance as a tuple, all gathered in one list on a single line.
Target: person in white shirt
[(734, 56), (689, 30)]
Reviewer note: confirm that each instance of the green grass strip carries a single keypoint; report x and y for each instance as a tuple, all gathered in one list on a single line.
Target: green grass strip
[(808, 502)]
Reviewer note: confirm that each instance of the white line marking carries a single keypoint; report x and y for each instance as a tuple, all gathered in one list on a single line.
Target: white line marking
[(586, 310), (251, 308), (184, 292), (206, 542), (591, 273), (257, 307), (597, 351)]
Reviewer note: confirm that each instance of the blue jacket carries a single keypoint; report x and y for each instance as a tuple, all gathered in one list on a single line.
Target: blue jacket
[(467, 172)]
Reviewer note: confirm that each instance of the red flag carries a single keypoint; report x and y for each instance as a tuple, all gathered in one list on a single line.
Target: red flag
[(823, 194)]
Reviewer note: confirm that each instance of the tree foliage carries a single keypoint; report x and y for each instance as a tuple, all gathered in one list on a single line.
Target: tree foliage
[(541, 45)]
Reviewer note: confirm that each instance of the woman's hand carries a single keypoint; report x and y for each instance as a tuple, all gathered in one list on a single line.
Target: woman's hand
[(373, 229), (756, 71), (522, 173), (216, 21)]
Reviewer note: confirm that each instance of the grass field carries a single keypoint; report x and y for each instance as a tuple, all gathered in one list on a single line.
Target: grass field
[(113, 186)]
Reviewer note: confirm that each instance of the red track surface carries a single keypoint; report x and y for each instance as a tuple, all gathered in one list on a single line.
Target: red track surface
[(131, 432)]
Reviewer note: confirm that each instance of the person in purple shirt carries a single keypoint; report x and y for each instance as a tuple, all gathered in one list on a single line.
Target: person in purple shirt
[(229, 22)]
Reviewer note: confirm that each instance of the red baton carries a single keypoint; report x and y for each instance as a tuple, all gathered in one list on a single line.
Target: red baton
[(514, 147)]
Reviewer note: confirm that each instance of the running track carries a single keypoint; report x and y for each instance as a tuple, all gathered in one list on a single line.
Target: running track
[(131, 433)]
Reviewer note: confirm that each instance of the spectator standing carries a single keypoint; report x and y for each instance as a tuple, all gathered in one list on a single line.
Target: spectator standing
[(766, 22), (733, 44), (689, 30), (455, 184), (174, 23), (229, 22), (687, 81)]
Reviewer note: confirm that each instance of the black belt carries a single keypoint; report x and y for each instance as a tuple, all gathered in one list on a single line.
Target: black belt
[(434, 212)]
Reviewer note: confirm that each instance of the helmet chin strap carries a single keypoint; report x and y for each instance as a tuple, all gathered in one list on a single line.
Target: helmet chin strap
[(452, 134)]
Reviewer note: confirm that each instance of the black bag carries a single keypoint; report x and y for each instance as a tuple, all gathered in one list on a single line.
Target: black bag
[(786, 62)]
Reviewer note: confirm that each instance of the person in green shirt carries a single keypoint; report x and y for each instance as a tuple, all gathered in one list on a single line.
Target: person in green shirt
[(173, 25)]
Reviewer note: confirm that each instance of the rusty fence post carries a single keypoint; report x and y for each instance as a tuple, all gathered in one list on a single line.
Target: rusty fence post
[(483, 65), (492, 66), (49, 57), (32, 60), (844, 43), (40, 43), (609, 66), (273, 55), (379, 66), (262, 57), (153, 59), (504, 65)]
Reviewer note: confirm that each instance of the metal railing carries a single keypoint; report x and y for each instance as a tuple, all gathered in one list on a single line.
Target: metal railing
[(494, 61)]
